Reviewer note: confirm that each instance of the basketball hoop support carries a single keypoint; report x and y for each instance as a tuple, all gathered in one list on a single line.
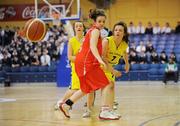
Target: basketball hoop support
[(77, 17), (36, 8), (51, 6)]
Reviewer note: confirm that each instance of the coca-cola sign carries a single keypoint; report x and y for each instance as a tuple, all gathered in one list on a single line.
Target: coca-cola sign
[(22, 12), (28, 12)]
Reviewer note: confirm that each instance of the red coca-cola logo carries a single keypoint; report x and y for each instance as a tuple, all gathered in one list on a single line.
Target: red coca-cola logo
[(28, 12)]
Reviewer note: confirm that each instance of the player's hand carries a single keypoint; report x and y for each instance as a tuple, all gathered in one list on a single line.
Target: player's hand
[(127, 66), (117, 73), (103, 64)]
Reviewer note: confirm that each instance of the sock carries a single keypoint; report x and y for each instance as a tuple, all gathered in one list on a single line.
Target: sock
[(69, 102), (103, 108)]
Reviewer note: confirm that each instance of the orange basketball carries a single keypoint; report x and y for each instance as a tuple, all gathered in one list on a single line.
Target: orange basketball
[(25, 27), (35, 30)]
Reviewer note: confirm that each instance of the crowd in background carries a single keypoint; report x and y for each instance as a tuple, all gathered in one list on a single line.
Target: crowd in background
[(150, 29), (146, 53), (17, 51)]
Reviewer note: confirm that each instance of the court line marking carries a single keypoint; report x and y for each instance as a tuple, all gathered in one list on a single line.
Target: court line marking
[(160, 117), (2, 100), (40, 121)]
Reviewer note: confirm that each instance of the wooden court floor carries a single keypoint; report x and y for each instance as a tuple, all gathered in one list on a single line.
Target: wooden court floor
[(140, 104)]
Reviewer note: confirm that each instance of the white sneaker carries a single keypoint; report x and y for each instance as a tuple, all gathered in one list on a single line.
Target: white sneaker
[(114, 113), (87, 114), (64, 108), (115, 107), (57, 105), (107, 115)]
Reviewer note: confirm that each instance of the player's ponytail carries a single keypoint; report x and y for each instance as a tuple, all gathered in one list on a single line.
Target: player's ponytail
[(96, 13)]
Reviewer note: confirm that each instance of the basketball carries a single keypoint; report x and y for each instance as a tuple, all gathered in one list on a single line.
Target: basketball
[(35, 30)]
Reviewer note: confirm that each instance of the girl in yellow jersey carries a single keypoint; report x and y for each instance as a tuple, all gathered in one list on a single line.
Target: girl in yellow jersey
[(115, 47), (74, 45)]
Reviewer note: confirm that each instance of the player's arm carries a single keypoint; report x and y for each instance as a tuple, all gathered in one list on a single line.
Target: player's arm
[(126, 60), (105, 46), (93, 46), (70, 53)]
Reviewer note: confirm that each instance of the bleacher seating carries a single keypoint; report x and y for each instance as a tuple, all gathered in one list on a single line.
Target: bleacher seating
[(2, 76), (31, 74), (168, 43)]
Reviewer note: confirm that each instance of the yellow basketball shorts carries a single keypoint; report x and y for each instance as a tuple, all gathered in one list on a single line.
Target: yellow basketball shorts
[(110, 76), (75, 84)]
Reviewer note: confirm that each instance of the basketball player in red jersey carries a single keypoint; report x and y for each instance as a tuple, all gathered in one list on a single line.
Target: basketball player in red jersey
[(88, 64)]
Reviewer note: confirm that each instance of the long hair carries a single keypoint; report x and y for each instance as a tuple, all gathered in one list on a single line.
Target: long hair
[(126, 35), (96, 13)]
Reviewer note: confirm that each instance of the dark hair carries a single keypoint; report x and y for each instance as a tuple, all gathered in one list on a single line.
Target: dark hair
[(82, 24), (96, 13), (126, 35)]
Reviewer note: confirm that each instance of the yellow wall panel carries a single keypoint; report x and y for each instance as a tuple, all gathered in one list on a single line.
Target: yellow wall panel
[(146, 8), (125, 9), (169, 8)]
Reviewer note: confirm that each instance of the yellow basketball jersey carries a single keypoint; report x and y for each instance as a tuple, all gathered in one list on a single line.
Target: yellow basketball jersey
[(114, 52), (75, 44)]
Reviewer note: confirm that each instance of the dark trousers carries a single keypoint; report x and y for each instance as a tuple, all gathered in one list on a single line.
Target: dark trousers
[(170, 76)]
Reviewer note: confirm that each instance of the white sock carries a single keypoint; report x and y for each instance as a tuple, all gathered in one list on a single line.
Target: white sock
[(104, 108)]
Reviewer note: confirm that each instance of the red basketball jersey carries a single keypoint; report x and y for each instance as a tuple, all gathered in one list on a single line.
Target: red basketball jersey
[(87, 67), (85, 60)]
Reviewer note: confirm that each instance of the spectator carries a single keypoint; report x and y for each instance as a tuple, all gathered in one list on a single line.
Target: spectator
[(140, 28), (1, 57), (163, 57), (25, 60), (15, 62), (177, 29), (171, 71), (149, 29), (7, 36), (55, 55), (154, 57), (166, 29), (149, 47), (6, 61), (35, 60), (45, 58), (48, 33), (133, 58), (173, 57), (141, 47), (156, 28), (2, 36), (133, 46), (142, 58), (131, 28)]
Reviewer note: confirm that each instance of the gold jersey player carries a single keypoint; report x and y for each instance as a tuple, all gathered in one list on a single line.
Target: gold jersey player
[(115, 47)]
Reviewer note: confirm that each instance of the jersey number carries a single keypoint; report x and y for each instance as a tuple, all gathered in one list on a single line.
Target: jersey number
[(114, 57)]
